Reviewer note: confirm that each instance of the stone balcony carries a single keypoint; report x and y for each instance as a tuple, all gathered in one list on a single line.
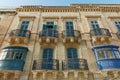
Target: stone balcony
[(100, 36), (71, 36), (19, 36), (48, 36)]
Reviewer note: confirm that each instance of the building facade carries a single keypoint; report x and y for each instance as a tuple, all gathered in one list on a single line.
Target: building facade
[(76, 42)]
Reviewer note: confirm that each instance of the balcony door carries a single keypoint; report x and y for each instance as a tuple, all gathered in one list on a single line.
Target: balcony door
[(95, 27), (72, 58), (69, 28), (47, 58), (49, 29), (23, 28)]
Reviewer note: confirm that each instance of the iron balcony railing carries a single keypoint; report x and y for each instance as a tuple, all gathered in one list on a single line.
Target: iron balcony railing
[(46, 64), (75, 64), (99, 32), (20, 32), (118, 34), (48, 33), (71, 33)]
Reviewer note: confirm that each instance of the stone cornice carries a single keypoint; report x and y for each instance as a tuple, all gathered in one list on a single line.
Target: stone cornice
[(71, 8)]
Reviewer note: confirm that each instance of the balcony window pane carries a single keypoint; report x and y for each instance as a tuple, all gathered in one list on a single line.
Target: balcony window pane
[(18, 55), (117, 54), (101, 54), (109, 53), (10, 55)]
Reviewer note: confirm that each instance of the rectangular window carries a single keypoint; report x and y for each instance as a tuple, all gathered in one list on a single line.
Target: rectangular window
[(100, 54), (69, 25), (117, 24), (23, 28), (72, 57), (109, 53), (47, 61), (69, 28), (10, 55), (95, 27)]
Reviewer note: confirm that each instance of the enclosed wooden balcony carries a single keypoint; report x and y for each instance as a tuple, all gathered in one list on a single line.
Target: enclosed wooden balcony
[(48, 36), (100, 36), (46, 64), (19, 36), (71, 36), (75, 64)]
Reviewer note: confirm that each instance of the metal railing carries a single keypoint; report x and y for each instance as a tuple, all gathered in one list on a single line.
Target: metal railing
[(71, 33), (46, 64), (48, 33), (100, 31), (20, 32), (75, 64)]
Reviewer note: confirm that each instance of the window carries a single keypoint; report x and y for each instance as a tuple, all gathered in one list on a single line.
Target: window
[(47, 61), (24, 25), (72, 53), (69, 28), (48, 53), (72, 58), (49, 29), (101, 54), (106, 52), (117, 24), (18, 56), (95, 27), (69, 25), (14, 53), (10, 55), (23, 28)]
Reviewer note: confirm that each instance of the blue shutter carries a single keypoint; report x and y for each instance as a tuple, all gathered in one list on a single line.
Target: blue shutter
[(23, 28), (117, 23), (47, 63), (73, 62), (96, 28), (69, 29)]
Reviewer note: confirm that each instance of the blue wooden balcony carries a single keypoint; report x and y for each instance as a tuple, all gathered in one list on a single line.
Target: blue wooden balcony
[(108, 64), (48, 33), (75, 64), (107, 56), (11, 64), (46, 64)]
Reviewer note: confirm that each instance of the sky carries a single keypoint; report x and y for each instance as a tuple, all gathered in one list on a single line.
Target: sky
[(17, 3)]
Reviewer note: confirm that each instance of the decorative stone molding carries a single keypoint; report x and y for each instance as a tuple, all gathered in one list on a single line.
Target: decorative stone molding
[(72, 8)]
